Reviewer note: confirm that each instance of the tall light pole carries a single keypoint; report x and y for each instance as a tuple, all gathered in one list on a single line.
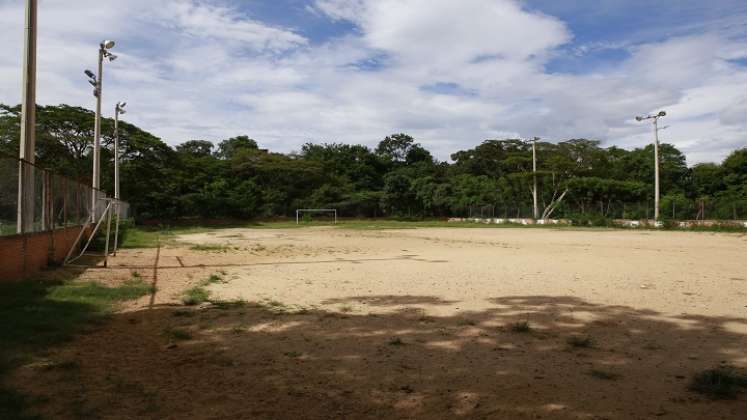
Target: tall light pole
[(118, 110), (534, 170), (97, 82), (25, 214), (656, 158)]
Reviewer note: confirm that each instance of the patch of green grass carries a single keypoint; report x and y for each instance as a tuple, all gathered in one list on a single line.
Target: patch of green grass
[(210, 247), (99, 295), (520, 327), (293, 354), (601, 374), (580, 341), (719, 383), (177, 334), (39, 315)]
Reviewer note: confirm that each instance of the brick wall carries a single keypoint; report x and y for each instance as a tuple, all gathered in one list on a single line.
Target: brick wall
[(21, 256)]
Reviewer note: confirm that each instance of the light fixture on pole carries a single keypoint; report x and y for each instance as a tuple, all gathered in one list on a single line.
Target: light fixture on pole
[(118, 110), (655, 117), (96, 81)]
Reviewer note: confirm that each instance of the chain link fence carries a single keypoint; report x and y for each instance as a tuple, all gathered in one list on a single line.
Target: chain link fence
[(53, 201)]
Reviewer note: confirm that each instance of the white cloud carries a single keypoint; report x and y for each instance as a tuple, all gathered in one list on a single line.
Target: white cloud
[(203, 69)]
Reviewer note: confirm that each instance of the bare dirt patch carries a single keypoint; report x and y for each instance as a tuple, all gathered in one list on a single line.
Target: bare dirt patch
[(331, 323)]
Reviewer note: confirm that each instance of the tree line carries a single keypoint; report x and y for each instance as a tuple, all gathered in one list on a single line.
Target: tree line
[(576, 178)]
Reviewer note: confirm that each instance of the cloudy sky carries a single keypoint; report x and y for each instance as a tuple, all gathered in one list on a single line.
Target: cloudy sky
[(449, 72)]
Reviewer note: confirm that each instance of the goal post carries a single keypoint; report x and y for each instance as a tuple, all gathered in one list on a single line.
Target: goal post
[(299, 211)]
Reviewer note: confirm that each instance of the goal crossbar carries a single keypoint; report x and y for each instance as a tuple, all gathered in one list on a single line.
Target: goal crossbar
[(299, 211)]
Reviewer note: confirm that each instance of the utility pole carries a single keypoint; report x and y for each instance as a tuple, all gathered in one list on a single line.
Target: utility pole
[(534, 170), (27, 152), (656, 158)]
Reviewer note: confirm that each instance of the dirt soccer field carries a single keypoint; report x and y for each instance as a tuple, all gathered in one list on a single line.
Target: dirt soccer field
[(443, 323)]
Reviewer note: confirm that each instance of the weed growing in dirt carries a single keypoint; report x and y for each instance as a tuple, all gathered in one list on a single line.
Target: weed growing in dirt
[(199, 294), (214, 278), (601, 374), (346, 309), (396, 341), (195, 296), (521, 327), (719, 383), (579, 341), (293, 354), (467, 322), (177, 334)]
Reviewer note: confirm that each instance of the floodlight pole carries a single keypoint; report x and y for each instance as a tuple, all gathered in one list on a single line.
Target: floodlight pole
[(97, 135), (534, 170), (657, 191), (98, 86), (117, 110), (25, 212)]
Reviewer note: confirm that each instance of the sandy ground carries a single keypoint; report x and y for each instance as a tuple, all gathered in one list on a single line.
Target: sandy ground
[(415, 324)]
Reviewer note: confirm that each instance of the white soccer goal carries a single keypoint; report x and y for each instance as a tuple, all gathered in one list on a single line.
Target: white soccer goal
[(299, 211)]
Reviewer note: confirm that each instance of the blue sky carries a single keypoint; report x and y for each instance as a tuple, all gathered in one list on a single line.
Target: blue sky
[(451, 73)]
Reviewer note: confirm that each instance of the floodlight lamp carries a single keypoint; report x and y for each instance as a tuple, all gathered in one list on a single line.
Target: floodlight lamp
[(662, 114), (111, 57), (90, 74), (107, 44), (639, 118), (93, 83)]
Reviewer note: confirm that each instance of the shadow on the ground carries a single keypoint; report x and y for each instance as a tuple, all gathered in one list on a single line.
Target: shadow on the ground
[(250, 361), (390, 300)]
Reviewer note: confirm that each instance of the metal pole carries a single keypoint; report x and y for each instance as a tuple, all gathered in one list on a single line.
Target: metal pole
[(116, 152), (656, 168), (116, 175), (108, 231), (97, 136), (25, 214), (534, 164)]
